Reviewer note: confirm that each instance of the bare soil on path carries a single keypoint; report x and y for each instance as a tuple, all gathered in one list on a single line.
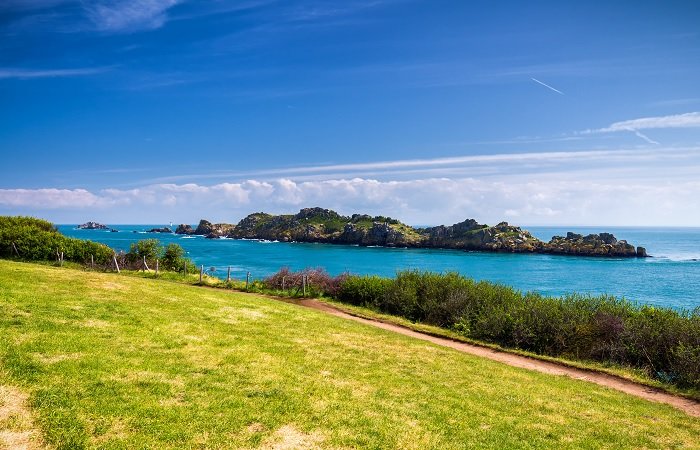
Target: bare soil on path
[(687, 405)]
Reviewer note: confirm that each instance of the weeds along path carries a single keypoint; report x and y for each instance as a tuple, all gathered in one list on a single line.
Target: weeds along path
[(689, 406)]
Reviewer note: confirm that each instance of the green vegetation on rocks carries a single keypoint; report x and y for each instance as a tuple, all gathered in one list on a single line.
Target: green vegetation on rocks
[(327, 226)]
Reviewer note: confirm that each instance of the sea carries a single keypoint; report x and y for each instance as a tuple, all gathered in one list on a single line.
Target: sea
[(670, 278)]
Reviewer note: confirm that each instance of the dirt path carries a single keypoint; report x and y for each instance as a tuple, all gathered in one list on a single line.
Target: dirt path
[(689, 406)]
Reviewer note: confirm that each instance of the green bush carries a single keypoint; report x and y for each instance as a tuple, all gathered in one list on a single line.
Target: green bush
[(173, 258), (366, 291), (663, 342), (151, 249), (38, 240)]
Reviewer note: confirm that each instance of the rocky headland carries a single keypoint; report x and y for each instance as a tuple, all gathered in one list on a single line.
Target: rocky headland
[(327, 226)]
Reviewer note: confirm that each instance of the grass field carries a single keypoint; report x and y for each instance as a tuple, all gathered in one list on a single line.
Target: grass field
[(121, 362)]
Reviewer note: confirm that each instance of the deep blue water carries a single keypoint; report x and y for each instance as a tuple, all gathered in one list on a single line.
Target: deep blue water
[(670, 278)]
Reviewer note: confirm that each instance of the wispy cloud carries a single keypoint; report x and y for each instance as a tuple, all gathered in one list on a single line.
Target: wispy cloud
[(463, 166), (20, 5), (547, 86), (688, 120), (129, 15), (20, 73)]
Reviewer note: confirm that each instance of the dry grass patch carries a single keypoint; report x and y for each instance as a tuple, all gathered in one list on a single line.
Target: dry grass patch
[(17, 429), (288, 437)]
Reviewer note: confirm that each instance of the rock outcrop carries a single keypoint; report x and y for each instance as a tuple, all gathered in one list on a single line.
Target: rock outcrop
[(206, 228), (324, 225), (603, 244), (327, 226), (93, 226), (471, 235), (160, 230), (184, 229)]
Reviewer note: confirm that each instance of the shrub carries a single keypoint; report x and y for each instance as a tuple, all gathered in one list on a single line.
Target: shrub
[(151, 249), (173, 258), (38, 240), (319, 282), (663, 342), (368, 291)]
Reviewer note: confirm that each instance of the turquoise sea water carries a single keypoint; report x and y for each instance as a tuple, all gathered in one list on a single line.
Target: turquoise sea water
[(670, 278)]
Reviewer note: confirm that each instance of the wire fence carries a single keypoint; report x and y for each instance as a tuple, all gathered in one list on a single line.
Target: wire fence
[(301, 283)]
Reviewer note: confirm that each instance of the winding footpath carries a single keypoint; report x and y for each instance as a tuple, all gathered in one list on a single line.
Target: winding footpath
[(689, 406)]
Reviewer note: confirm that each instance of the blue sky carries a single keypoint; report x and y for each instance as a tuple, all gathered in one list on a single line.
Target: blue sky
[(429, 111)]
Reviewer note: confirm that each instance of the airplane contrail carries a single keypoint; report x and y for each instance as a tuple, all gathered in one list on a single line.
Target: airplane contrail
[(547, 86)]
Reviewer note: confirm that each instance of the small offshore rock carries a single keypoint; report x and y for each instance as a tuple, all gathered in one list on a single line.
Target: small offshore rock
[(184, 229), (93, 226), (160, 230)]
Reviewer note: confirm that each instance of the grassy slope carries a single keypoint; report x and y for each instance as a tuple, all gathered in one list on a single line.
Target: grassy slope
[(118, 361)]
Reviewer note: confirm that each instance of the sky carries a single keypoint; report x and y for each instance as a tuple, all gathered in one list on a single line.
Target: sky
[(537, 113)]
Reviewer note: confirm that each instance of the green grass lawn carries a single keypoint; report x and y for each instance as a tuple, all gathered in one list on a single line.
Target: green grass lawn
[(122, 362)]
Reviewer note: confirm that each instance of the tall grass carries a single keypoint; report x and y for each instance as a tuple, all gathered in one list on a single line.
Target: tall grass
[(663, 342)]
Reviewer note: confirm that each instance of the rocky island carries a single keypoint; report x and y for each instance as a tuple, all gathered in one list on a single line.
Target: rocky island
[(160, 230), (327, 226), (93, 226)]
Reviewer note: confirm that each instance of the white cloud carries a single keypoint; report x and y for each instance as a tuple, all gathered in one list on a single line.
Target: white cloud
[(555, 200), (50, 198), (128, 15), (688, 120), (19, 73), (635, 187), (434, 167)]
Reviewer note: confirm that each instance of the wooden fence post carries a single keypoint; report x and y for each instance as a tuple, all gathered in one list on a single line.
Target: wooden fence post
[(116, 264), (303, 284), (156, 267), (15, 248), (185, 265), (201, 274), (145, 266), (283, 283), (228, 275), (92, 261), (247, 280)]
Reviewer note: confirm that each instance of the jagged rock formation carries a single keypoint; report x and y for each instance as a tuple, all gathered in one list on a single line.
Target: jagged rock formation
[(324, 225), (93, 226), (603, 244), (184, 229), (206, 228)]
